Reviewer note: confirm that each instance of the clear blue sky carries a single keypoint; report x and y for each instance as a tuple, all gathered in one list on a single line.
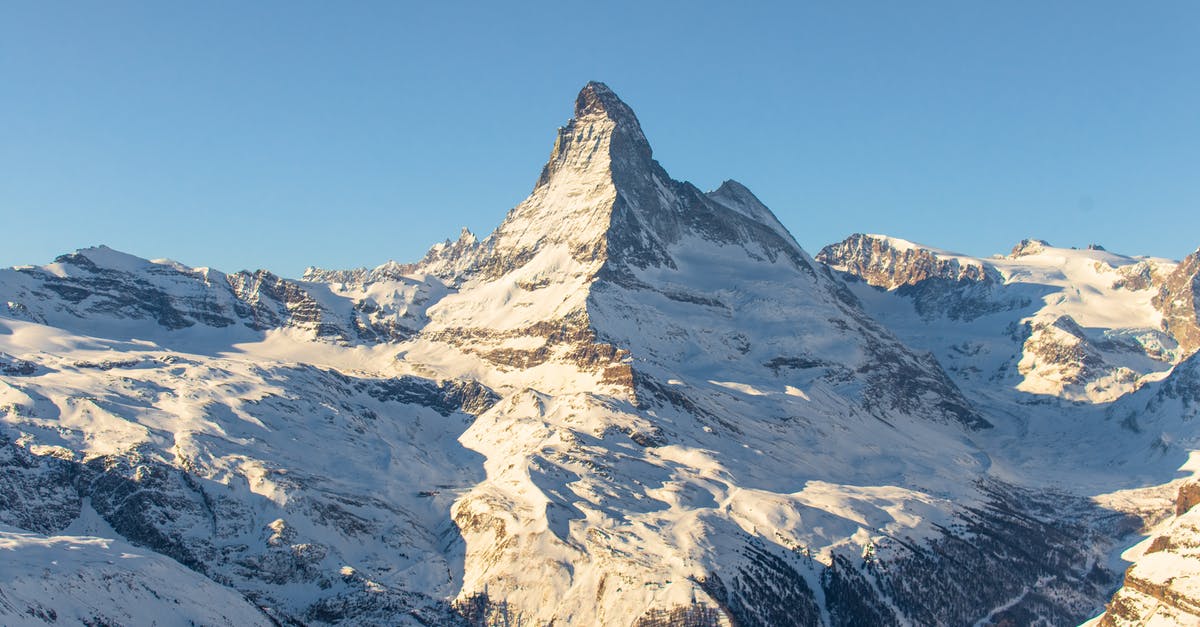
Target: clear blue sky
[(280, 135)]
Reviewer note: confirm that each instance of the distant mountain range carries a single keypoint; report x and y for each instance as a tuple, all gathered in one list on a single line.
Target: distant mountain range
[(634, 403)]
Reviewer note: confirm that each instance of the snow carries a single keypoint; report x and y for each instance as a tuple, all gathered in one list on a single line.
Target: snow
[(1039, 290), (1084, 287), (903, 244), (84, 579)]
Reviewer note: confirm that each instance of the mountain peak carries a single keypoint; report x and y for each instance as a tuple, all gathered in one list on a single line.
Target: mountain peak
[(603, 197), (1029, 246), (604, 132), (598, 98)]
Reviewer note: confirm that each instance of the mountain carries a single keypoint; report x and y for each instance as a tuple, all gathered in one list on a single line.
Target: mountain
[(633, 403), (1080, 325), (1079, 346)]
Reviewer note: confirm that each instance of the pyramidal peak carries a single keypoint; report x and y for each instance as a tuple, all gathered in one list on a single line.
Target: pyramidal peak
[(602, 206), (598, 98), (604, 203), (609, 253), (603, 130)]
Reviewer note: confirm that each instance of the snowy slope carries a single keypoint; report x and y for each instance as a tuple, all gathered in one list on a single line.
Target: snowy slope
[(283, 480), (1042, 340), (712, 343), (1160, 587), (68, 579)]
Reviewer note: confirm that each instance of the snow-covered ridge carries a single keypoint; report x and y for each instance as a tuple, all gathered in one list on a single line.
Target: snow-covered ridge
[(87, 580), (98, 290), (444, 260), (1086, 324)]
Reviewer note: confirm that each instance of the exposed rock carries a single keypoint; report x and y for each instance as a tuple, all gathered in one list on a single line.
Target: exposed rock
[(1028, 247), (1163, 585), (1143, 275), (12, 366), (1189, 497), (939, 284), (1179, 301), (887, 263)]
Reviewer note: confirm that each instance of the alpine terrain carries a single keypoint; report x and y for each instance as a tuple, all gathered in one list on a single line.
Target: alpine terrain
[(634, 403)]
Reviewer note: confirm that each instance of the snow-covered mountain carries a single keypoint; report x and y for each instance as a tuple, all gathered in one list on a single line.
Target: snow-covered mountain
[(1086, 361), (633, 403), (1082, 325)]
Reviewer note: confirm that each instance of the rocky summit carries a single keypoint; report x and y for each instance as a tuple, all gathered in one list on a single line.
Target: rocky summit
[(634, 403)]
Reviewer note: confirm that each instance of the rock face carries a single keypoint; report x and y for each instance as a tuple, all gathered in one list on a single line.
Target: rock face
[(1162, 586), (633, 403), (890, 263), (1179, 302), (1033, 247), (939, 284), (1061, 353)]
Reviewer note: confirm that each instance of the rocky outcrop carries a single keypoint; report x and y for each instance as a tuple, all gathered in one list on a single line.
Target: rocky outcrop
[(95, 284), (1036, 294), (1163, 585), (1061, 354), (939, 284), (1179, 301), (1164, 404), (889, 263), (445, 260), (266, 301), (1027, 247), (1146, 274)]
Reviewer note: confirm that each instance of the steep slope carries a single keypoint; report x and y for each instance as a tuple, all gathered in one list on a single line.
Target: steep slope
[(1161, 586), (1179, 300), (633, 403), (100, 581), (609, 254)]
